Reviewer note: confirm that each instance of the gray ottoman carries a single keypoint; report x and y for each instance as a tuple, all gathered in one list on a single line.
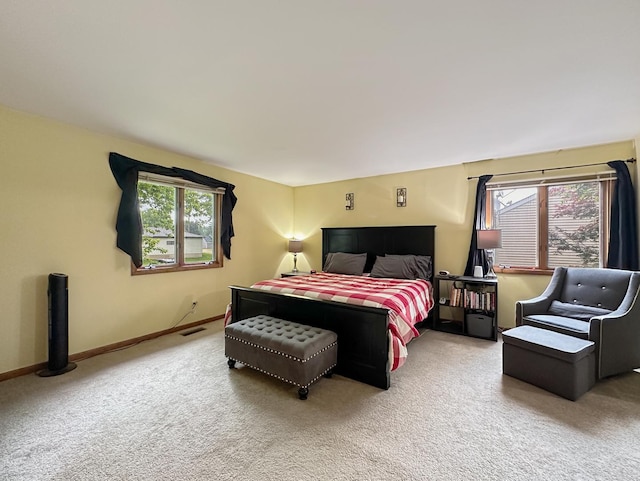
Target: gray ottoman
[(561, 364), (289, 351)]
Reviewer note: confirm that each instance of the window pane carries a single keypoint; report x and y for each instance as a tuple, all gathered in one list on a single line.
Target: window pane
[(574, 225), (157, 210), (515, 212), (199, 209)]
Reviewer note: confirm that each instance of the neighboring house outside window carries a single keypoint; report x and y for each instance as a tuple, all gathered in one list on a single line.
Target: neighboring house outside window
[(177, 219), (545, 225), (165, 250)]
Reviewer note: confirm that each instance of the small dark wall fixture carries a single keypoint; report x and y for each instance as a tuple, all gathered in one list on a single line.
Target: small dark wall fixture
[(401, 197), (349, 201)]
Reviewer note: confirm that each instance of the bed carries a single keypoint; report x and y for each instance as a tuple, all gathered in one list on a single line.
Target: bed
[(366, 330)]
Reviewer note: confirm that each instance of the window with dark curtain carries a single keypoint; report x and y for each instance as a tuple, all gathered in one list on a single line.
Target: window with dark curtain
[(128, 222)]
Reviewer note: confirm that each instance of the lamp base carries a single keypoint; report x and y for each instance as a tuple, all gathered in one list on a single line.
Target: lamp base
[(491, 274)]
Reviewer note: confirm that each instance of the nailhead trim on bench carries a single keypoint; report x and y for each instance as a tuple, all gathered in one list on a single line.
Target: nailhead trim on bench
[(288, 356), (285, 379)]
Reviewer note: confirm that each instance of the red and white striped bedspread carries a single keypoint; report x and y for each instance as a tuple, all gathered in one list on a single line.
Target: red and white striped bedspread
[(408, 301)]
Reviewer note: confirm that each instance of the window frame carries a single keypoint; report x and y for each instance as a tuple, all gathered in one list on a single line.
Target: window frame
[(606, 183), (181, 186)]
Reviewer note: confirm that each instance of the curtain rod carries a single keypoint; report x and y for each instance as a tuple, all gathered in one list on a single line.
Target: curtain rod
[(551, 168)]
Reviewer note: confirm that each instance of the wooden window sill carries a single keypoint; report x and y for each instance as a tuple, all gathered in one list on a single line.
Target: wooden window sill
[(523, 270)]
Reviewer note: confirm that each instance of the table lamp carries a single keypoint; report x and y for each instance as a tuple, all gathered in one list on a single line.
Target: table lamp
[(489, 240), (295, 246)]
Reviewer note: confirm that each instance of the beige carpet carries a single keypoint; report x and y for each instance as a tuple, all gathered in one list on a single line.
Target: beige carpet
[(170, 409)]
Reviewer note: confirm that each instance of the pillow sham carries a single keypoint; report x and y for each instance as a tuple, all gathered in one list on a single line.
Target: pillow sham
[(389, 267), (424, 267), (402, 267), (344, 263)]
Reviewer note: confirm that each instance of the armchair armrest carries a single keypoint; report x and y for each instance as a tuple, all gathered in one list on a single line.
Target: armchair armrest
[(536, 305), (617, 335), (540, 304)]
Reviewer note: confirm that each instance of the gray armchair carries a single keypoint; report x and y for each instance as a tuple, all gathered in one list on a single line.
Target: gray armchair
[(600, 305)]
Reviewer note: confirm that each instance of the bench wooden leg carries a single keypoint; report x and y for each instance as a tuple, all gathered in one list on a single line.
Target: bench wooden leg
[(231, 363), (303, 392)]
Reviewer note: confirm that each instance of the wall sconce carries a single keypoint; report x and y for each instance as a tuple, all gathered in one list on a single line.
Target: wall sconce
[(401, 197), (348, 204), (295, 246)]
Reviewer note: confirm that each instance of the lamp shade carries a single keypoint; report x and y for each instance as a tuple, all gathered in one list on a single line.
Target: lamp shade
[(489, 239), (295, 245)]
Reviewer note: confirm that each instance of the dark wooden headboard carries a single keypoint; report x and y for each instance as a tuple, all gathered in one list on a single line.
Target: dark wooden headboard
[(418, 240)]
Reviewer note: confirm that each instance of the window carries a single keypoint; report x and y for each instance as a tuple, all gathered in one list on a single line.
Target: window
[(545, 225), (179, 224)]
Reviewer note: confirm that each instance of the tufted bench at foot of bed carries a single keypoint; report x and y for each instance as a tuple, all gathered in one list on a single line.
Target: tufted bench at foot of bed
[(289, 351)]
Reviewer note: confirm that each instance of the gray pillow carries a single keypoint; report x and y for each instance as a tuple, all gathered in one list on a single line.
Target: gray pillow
[(402, 267), (344, 263), (423, 266), (389, 267), (576, 311)]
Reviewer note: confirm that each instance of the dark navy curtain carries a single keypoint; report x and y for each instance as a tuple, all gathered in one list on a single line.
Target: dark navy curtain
[(623, 236), (478, 257), (128, 222)]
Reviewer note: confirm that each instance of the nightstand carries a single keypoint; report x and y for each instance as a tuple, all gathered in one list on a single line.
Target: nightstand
[(292, 274), (466, 305)]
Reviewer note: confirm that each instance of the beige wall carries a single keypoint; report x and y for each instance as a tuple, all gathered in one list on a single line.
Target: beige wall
[(59, 203), (443, 197)]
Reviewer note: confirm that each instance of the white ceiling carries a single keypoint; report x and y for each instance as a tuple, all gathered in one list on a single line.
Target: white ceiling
[(303, 92)]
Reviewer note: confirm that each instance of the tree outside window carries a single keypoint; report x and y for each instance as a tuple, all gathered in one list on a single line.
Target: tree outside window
[(574, 225), (179, 227), (157, 211)]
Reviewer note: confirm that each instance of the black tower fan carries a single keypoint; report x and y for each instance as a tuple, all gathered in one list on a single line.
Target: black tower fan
[(58, 294)]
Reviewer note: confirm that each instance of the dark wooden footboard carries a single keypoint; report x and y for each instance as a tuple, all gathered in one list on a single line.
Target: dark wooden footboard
[(363, 344)]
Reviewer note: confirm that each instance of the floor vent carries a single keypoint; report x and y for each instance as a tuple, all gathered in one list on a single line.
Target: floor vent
[(193, 331)]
